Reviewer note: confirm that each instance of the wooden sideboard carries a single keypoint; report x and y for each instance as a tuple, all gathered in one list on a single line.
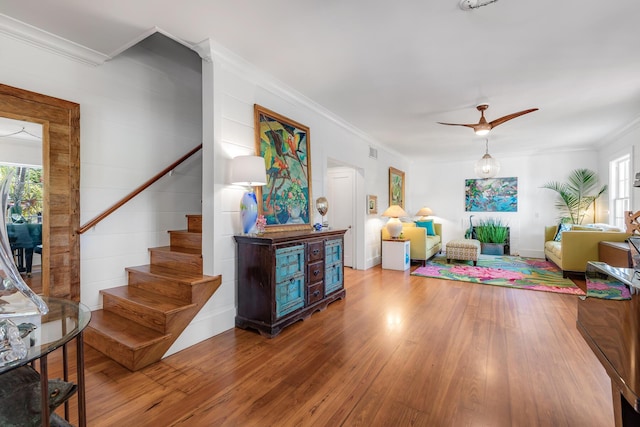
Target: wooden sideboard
[(284, 277)]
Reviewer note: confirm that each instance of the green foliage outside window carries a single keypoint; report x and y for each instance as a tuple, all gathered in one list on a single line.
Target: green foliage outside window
[(25, 193)]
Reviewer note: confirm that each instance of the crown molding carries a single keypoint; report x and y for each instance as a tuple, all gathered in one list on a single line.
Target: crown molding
[(616, 135), (211, 51), (50, 42)]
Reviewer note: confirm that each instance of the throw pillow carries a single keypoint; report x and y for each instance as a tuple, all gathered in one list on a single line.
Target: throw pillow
[(428, 224), (561, 227)]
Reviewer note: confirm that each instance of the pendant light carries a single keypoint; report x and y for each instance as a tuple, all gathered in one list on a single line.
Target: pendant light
[(487, 166)]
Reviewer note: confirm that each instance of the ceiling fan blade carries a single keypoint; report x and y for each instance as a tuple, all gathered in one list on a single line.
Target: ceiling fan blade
[(459, 124), (508, 117)]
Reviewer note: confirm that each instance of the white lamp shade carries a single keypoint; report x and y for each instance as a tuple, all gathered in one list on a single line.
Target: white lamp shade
[(248, 170), (394, 211), (424, 212)]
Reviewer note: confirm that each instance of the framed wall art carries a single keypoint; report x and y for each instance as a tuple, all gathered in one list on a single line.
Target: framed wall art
[(285, 201), (396, 187), (491, 195), (372, 204)]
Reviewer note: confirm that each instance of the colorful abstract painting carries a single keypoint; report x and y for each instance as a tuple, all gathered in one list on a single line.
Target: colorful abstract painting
[(491, 195), (284, 144), (396, 187)]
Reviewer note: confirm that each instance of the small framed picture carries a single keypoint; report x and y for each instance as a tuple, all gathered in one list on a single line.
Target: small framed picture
[(372, 204)]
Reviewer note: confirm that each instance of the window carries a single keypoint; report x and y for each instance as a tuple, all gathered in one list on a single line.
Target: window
[(619, 189)]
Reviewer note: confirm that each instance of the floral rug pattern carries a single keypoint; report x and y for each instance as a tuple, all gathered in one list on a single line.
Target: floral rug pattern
[(514, 272)]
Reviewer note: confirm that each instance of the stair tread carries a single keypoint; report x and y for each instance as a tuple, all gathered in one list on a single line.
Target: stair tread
[(148, 299), (178, 249), (185, 232), (126, 332), (172, 274)]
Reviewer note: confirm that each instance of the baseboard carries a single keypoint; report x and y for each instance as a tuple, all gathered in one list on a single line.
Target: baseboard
[(202, 328), (531, 253), (372, 262)]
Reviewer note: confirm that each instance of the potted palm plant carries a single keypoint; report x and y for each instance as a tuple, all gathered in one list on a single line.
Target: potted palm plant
[(492, 234), (577, 195)]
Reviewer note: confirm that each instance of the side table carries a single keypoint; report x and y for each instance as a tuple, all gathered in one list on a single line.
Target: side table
[(396, 254), (616, 254), (65, 322)]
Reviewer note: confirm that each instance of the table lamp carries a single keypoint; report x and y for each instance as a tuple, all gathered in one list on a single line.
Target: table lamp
[(248, 171), (423, 213), (394, 226)]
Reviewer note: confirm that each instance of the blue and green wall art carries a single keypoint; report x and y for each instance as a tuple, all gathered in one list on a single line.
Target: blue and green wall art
[(491, 195)]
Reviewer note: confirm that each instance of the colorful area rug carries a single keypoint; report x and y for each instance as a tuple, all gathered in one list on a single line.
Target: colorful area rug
[(516, 272)]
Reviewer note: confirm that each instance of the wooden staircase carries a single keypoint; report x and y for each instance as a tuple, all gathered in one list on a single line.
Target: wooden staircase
[(140, 321)]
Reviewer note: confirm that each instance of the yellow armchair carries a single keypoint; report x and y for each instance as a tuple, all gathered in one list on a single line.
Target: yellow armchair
[(422, 247), (577, 246)]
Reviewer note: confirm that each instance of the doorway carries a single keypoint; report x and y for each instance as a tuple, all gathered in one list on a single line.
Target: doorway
[(342, 193)]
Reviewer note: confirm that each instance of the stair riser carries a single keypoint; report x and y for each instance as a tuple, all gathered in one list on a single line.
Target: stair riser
[(112, 348), (132, 359), (166, 287), (177, 261), (194, 223), (186, 240), (136, 313)]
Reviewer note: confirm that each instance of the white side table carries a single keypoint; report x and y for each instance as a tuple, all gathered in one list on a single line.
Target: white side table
[(396, 254)]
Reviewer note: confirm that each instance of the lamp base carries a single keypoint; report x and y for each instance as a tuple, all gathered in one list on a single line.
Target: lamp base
[(394, 227), (248, 211)]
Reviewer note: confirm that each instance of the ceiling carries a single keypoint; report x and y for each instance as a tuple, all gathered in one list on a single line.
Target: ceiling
[(395, 69)]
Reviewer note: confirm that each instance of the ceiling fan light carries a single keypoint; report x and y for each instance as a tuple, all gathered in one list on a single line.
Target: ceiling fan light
[(482, 132), (487, 167)]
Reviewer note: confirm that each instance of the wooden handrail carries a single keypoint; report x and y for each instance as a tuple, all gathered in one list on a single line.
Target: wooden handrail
[(138, 190)]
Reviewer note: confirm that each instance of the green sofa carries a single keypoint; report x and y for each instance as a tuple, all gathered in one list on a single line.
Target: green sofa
[(422, 246), (577, 246)]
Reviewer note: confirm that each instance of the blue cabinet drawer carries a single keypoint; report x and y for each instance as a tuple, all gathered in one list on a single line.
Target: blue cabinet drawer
[(333, 251), (333, 267), (333, 278), (289, 262), (289, 295)]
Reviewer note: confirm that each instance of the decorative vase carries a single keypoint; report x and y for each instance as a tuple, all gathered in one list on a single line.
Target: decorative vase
[(248, 211)]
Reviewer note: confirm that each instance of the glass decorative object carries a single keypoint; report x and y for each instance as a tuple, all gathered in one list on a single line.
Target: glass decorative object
[(16, 298)]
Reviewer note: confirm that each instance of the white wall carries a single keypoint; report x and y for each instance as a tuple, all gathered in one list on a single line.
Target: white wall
[(139, 112), (628, 140), (23, 152), (441, 187), (231, 87)]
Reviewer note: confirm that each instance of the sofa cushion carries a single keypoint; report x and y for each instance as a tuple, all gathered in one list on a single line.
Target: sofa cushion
[(428, 224), (432, 241), (562, 227), (554, 247)]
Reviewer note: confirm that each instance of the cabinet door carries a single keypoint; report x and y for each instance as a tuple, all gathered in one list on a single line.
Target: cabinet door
[(289, 287), (333, 272)]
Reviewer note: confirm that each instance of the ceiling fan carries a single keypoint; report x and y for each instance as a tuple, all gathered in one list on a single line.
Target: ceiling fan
[(483, 127)]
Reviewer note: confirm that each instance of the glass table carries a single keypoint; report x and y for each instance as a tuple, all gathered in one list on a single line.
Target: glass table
[(628, 276), (65, 321)]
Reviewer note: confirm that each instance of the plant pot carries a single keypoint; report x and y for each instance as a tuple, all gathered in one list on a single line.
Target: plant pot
[(492, 248)]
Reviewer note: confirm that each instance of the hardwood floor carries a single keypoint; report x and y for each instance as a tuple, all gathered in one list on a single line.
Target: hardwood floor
[(398, 351)]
